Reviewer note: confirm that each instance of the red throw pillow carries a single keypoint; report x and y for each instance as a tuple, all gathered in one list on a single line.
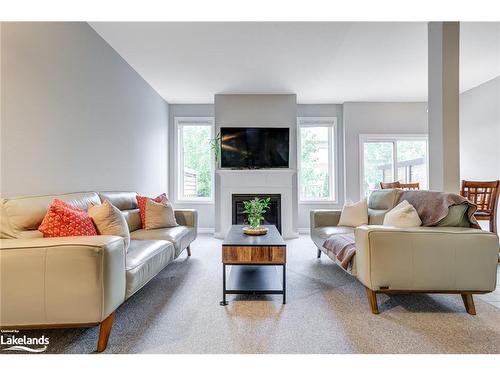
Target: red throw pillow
[(64, 220), (141, 203)]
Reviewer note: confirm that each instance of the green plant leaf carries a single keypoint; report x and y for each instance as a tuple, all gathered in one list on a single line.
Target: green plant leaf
[(255, 209)]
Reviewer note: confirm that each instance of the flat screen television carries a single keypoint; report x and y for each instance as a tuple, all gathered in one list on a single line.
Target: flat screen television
[(253, 148)]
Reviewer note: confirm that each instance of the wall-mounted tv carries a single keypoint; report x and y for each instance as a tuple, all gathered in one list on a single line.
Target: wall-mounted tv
[(252, 148)]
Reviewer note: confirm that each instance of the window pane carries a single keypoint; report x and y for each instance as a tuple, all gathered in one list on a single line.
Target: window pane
[(314, 163), (197, 171), (377, 165), (412, 162)]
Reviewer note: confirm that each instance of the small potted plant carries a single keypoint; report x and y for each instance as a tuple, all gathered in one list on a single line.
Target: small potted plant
[(255, 209)]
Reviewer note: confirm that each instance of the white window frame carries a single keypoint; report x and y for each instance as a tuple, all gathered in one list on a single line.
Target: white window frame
[(180, 123), (331, 123), (390, 138)]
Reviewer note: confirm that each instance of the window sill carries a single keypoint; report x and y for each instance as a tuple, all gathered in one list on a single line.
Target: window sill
[(194, 201), (325, 202)]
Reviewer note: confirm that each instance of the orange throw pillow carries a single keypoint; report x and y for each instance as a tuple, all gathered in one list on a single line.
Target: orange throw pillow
[(141, 203), (65, 220)]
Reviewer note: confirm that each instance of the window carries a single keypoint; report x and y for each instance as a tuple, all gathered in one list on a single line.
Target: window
[(316, 159), (389, 158), (195, 158)]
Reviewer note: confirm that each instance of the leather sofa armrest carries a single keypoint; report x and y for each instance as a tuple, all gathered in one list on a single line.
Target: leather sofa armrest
[(187, 217), (324, 218), (65, 280), (426, 258)]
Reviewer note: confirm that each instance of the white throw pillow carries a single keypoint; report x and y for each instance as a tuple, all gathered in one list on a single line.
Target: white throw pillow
[(354, 214), (109, 220), (404, 215)]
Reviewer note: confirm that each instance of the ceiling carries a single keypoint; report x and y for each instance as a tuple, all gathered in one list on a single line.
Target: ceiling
[(321, 62)]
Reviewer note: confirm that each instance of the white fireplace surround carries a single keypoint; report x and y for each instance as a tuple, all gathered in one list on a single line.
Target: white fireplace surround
[(276, 181)]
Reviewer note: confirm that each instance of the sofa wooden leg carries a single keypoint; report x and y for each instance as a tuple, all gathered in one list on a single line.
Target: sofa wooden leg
[(188, 251), (372, 299), (319, 254), (104, 332), (469, 303)]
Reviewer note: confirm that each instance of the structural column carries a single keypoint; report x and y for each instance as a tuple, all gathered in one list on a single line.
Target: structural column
[(443, 105)]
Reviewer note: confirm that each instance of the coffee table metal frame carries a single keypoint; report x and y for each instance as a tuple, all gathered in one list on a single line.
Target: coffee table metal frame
[(273, 255), (226, 291)]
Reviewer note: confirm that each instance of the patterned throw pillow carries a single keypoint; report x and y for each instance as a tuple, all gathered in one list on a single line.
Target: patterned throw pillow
[(141, 203), (65, 220)]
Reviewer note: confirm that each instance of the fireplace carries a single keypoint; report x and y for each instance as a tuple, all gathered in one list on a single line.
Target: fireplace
[(272, 216)]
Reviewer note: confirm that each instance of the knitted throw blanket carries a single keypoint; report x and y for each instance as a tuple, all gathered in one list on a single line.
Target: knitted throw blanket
[(432, 206), (342, 247)]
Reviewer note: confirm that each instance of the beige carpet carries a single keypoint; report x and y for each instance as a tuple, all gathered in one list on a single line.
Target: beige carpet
[(326, 312)]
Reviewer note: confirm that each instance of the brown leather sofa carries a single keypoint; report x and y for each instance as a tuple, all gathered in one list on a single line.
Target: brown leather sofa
[(79, 281), (393, 260)]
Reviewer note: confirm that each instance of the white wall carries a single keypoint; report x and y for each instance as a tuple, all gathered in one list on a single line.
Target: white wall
[(376, 118), (324, 110), (443, 82), (480, 133), (205, 210), (75, 116)]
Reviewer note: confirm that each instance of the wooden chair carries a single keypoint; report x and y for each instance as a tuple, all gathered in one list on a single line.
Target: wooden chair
[(411, 186), (390, 185), (485, 195), (399, 185)]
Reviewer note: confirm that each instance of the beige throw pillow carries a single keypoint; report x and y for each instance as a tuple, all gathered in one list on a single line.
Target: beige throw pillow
[(109, 220), (404, 215), (354, 214), (159, 215)]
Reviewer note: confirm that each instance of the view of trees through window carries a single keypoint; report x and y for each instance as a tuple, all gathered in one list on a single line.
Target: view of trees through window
[(378, 162), (197, 159), (315, 163), (377, 155)]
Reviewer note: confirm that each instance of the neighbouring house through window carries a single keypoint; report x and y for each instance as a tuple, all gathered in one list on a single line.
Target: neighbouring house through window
[(389, 158)]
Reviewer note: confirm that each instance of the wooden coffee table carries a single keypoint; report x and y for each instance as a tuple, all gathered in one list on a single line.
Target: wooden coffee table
[(254, 262)]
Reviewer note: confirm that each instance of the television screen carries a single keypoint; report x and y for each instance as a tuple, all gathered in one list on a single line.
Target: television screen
[(254, 147)]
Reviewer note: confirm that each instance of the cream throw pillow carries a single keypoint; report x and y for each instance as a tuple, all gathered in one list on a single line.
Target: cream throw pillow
[(354, 214), (159, 215), (404, 215), (109, 220)]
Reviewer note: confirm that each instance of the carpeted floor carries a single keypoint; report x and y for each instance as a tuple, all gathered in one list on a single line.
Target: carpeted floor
[(326, 312)]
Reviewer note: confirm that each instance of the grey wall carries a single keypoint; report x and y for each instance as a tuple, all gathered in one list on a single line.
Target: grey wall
[(258, 110), (480, 133), (401, 118), (376, 118), (205, 210), (324, 110), (75, 116)]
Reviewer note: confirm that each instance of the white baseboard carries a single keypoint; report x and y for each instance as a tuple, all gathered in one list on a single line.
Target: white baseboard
[(206, 230), (304, 230)]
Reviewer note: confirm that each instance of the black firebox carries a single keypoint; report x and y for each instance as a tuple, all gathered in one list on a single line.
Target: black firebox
[(272, 216)]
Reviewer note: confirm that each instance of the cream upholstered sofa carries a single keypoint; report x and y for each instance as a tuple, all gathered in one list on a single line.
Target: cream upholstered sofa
[(79, 281), (413, 260)]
